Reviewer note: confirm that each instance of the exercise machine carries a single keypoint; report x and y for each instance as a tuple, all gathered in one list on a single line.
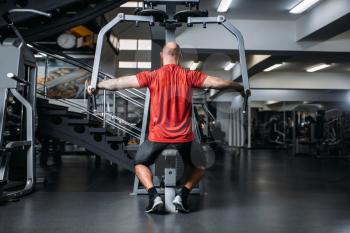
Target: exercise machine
[(17, 113), (170, 20)]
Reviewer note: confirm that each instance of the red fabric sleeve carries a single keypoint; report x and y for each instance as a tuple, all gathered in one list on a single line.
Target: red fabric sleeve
[(197, 78), (144, 78)]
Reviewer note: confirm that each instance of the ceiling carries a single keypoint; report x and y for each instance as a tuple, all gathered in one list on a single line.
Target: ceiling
[(255, 9)]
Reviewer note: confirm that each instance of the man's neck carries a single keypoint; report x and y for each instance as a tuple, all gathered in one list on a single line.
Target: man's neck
[(169, 63)]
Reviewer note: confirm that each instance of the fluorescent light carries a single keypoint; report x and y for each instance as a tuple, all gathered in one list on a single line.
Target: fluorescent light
[(224, 5), (302, 6), (144, 44), (133, 44), (270, 102), (114, 41), (128, 64), (317, 67), (30, 46), (144, 65), (273, 67), (229, 66), (132, 4), (127, 44), (194, 65), (134, 65)]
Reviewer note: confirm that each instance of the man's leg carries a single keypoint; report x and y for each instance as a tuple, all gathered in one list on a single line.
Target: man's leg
[(145, 156), (194, 178), (193, 175), (145, 175)]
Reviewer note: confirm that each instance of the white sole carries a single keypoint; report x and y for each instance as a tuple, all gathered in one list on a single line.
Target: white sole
[(157, 206), (178, 206)]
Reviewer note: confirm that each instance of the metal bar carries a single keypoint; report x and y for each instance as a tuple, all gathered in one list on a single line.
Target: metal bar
[(29, 137), (119, 18), (242, 60), (14, 144), (130, 99), (104, 108), (114, 105), (145, 117), (29, 11), (133, 93), (138, 91), (46, 73), (166, 2), (3, 103), (234, 31)]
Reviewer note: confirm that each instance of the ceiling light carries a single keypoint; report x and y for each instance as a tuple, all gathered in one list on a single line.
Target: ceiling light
[(133, 44), (144, 44), (127, 44), (224, 5), (128, 64), (194, 65), (132, 4), (273, 67), (302, 6), (270, 102), (317, 67), (229, 66), (144, 65), (30, 46)]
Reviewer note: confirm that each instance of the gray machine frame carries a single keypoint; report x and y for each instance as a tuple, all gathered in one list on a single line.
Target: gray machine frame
[(8, 85), (121, 17), (19, 64)]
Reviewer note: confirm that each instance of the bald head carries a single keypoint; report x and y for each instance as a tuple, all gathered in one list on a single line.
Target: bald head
[(171, 53)]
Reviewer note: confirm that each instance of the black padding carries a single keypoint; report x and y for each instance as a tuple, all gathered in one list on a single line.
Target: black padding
[(158, 15), (182, 16)]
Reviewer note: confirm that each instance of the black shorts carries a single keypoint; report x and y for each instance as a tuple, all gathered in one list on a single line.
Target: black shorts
[(149, 151)]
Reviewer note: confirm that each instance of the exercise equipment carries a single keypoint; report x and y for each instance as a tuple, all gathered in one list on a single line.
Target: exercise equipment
[(151, 16), (17, 113), (170, 156)]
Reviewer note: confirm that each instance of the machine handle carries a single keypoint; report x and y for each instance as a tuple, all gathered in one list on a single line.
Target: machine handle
[(93, 101), (245, 102), (33, 11), (14, 77)]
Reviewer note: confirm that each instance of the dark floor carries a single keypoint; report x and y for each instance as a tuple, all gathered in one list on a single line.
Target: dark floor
[(259, 191)]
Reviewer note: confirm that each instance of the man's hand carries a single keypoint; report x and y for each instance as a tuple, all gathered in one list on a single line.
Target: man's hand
[(242, 92), (90, 90)]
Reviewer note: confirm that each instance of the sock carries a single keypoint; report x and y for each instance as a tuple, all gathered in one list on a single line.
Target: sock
[(152, 192), (184, 193)]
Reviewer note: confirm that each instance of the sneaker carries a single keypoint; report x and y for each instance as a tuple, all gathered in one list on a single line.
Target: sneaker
[(155, 205), (180, 204)]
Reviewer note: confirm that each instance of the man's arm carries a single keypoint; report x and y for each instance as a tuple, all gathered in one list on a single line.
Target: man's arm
[(116, 84), (222, 84)]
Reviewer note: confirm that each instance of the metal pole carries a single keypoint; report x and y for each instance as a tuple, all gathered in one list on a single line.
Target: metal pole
[(100, 39), (46, 73), (104, 108)]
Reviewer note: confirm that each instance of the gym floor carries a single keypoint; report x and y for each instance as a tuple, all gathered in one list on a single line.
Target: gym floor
[(259, 191)]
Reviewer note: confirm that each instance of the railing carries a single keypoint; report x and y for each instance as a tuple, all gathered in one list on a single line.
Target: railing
[(104, 114)]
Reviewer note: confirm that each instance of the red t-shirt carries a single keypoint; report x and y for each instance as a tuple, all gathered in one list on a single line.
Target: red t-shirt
[(171, 102)]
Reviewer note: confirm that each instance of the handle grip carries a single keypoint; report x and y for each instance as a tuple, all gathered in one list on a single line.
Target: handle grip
[(93, 100), (245, 101)]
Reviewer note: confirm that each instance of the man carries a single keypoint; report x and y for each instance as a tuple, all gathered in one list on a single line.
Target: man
[(170, 118)]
